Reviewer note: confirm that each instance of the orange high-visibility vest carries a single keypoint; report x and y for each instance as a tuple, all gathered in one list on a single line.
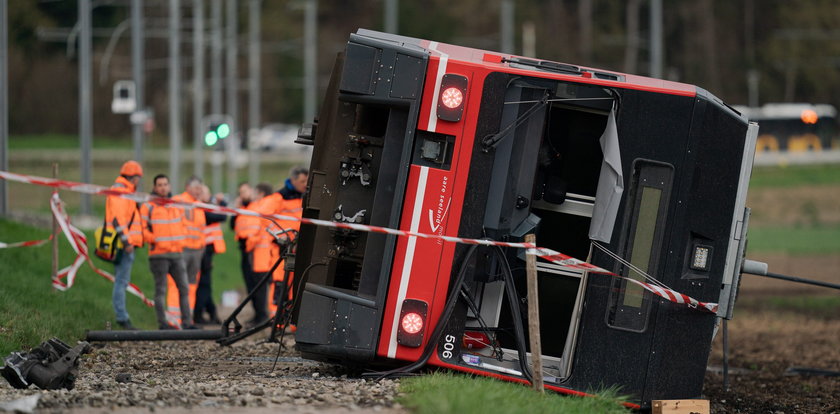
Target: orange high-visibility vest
[(289, 208), (122, 215), (163, 228), (194, 221), (259, 242), (246, 226), (213, 235)]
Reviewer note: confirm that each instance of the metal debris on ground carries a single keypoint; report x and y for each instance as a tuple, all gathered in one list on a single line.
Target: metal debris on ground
[(50, 366)]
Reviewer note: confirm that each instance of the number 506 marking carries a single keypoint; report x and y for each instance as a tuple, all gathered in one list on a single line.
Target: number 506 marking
[(448, 346)]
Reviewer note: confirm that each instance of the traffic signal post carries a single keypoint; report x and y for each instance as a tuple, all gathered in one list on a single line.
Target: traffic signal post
[(217, 129)]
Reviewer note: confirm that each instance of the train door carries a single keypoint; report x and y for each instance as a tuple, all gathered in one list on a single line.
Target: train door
[(545, 180)]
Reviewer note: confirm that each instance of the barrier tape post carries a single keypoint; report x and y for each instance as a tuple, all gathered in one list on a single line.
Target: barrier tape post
[(534, 318), (531, 248), (54, 233)]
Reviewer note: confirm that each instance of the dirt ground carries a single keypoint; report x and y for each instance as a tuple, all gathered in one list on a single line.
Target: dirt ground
[(801, 205), (767, 339)]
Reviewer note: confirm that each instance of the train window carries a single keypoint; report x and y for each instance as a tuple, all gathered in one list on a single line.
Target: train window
[(641, 241)]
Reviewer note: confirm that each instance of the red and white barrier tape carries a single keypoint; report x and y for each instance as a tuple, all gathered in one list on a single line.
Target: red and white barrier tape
[(28, 243), (78, 241), (544, 253)]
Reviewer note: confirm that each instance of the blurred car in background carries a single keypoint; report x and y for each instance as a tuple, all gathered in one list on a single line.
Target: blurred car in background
[(279, 138)]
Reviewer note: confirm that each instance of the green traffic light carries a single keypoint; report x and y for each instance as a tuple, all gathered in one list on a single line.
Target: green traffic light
[(210, 138), (223, 130)]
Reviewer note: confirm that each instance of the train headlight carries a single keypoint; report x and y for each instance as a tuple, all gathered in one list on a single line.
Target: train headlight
[(809, 116), (453, 93), (452, 97), (412, 323)]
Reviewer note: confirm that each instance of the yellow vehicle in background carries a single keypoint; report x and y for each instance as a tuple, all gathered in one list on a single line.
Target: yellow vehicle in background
[(794, 127)]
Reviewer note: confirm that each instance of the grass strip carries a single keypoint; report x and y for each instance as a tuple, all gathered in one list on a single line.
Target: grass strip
[(795, 175), (32, 311), (794, 240), (448, 392)]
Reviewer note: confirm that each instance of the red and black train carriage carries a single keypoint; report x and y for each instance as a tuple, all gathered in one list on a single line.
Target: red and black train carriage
[(441, 139)]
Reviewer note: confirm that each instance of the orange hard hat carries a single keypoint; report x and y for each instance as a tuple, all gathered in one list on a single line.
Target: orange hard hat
[(131, 168)]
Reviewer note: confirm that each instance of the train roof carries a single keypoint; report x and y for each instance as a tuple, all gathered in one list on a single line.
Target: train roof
[(549, 69)]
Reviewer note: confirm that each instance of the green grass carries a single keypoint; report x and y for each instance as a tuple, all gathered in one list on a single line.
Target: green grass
[(795, 240), (807, 234), (792, 176), (813, 306), (827, 304), (32, 311), (446, 392), (63, 141), (226, 273), (72, 141)]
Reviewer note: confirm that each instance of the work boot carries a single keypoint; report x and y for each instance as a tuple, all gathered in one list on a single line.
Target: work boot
[(126, 324), (190, 327), (166, 327)]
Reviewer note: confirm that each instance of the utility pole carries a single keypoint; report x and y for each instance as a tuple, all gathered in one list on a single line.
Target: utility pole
[(631, 49), (4, 104), (198, 88), (392, 16), (216, 158), (254, 89), (506, 22), (310, 62), (175, 93), (137, 54), (232, 142), (585, 21), (656, 38), (216, 57), (749, 49), (85, 81), (529, 39)]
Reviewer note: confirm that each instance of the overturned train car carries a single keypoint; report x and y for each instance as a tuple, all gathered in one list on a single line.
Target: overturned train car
[(441, 139)]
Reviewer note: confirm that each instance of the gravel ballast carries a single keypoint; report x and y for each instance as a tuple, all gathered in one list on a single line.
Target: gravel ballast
[(184, 376)]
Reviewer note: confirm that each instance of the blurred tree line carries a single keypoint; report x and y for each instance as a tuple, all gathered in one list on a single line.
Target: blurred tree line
[(793, 46)]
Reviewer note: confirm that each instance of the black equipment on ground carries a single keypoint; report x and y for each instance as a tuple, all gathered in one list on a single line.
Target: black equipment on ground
[(50, 366)]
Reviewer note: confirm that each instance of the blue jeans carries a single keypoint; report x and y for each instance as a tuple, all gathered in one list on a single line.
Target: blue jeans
[(122, 276)]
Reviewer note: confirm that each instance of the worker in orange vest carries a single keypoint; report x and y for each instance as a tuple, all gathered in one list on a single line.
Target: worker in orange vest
[(246, 193), (249, 228), (288, 201), (194, 221), (121, 214), (164, 230), (214, 243)]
